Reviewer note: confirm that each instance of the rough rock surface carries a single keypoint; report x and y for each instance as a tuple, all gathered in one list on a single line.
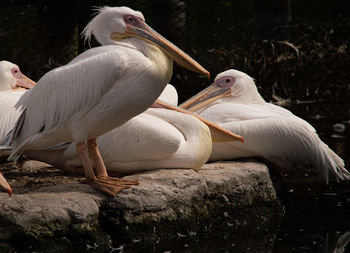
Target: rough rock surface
[(50, 207)]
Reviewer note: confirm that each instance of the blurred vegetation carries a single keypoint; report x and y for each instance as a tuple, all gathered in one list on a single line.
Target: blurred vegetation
[(293, 48), (302, 53), (313, 63)]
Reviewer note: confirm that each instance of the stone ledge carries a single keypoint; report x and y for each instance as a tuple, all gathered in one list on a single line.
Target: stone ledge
[(165, 202)]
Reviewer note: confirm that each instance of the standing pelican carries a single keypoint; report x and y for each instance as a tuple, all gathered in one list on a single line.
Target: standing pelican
[(269, 131), (98, 91), (12, 87), (97, 28)]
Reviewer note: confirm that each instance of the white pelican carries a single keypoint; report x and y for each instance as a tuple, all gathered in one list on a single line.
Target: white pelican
[(98, 91), (269, 131), (12, 87), (157, 138)]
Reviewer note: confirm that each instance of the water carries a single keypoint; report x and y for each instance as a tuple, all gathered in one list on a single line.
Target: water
[(317, 215)]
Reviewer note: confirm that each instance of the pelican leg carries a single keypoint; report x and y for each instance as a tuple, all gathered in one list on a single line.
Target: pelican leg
[(82, 151), (5, 185), (85, 161), (105, 183), (100, 168)]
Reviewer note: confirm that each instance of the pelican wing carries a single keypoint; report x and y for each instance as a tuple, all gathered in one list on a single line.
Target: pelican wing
[(284, 139), (265, 132), (278, 140), (92, 52), (76, 86), (228, 112)]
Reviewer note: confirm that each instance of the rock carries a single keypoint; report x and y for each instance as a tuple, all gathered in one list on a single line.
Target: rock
[(52, 209)]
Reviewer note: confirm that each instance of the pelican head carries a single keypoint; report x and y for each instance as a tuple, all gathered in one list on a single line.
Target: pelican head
[(11, 77), (115, 24), (232, 85)]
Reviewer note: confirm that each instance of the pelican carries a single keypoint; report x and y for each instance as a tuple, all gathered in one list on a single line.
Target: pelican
[(98, 91), (12, 86), (269, 131)]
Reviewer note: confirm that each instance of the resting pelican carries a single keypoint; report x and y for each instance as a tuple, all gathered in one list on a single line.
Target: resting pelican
[(269, 131), (157, 138), (98, 91), (12, 87)]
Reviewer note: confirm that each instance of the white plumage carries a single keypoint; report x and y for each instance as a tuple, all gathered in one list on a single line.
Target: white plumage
[(98, 91), (68, 102), (269, 131), (8, 113)]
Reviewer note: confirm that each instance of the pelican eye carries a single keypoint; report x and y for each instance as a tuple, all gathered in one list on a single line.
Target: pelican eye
[(132, 20), (226, 82), (15, 71)]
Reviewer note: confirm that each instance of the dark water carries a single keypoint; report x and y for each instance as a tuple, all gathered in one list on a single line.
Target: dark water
[(317, 216)]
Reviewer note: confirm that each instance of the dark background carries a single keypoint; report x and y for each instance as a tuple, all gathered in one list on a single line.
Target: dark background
[(296, 49)]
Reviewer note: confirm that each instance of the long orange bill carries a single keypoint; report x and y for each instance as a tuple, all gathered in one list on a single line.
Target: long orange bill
[(205, 97), (218, 133)]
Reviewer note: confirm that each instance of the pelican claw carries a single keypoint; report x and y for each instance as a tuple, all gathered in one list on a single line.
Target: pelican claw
[(112, 186)]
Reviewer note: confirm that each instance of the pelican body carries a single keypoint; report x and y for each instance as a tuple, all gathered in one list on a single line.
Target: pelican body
[(269, 131), (98, 91), (158, 138)]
